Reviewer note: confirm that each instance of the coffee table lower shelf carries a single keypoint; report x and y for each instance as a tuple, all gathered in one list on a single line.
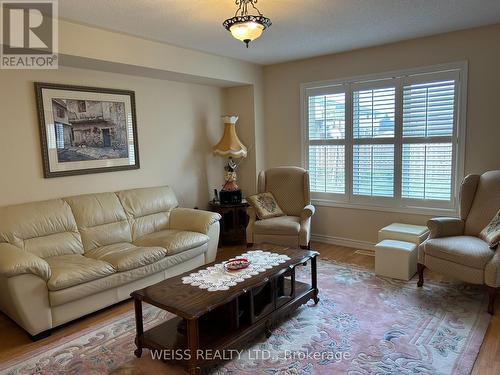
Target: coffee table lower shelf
[(171, 339)]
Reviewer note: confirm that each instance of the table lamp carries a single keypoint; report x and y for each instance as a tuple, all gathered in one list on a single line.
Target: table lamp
[(230, 146)]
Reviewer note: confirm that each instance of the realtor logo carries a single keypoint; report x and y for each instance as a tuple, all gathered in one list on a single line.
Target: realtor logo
[(29, 34)]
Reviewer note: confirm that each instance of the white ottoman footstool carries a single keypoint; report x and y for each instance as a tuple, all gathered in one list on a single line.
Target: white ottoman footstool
[(404, 232), (396, 259)]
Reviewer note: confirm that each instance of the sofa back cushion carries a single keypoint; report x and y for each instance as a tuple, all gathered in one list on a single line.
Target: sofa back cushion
[(148, 209), (101, 219), (43, 228), (486, 203)]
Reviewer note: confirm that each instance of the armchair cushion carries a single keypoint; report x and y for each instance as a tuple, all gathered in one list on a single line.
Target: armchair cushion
[(265, 206), (283, 225), (466, 250), (14, 261), (192, 220), (445, 227)]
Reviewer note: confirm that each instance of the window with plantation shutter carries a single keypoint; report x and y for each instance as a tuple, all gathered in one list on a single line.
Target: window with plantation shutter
[(326, 153), (373, 123), (393, 142), (428, 126)]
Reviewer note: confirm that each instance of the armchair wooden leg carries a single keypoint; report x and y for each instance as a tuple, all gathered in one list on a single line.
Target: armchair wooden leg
[(249, 244), (308, 247), (492, 294), (420, 270)]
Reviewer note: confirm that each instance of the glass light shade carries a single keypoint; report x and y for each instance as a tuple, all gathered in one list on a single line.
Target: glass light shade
[(247, 31)]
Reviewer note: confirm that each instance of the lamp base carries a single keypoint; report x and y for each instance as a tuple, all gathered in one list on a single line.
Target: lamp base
[(230, 196)]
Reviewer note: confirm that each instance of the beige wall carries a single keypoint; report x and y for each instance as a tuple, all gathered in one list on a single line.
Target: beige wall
[(177, 125), (480, 47), (86, 46)]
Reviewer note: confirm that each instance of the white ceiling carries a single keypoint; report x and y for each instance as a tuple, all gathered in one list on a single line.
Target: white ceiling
[(301, 28)]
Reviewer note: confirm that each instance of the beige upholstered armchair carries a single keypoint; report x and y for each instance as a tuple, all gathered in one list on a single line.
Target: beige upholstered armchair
[(453, 247), (290, 187)]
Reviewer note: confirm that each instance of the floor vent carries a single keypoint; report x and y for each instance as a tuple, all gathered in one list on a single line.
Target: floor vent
[(365, 252)]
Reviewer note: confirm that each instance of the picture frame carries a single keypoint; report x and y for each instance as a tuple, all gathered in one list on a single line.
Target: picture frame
[(85, 130)]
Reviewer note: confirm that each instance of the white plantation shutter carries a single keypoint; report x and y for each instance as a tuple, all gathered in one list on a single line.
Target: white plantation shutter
[(388, 141), (373, 170), (373, 122), (428, 127), (326, 152), (428, 109), (327, 168), (373, 113), (427, 171)]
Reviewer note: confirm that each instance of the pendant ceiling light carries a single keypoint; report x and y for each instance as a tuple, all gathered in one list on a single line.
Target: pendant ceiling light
[(244, 26)]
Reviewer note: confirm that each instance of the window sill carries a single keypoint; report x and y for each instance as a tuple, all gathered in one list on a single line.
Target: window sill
[(427, 211)]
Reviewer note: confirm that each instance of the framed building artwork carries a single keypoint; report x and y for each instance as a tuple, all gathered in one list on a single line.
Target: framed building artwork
[(86, 129)]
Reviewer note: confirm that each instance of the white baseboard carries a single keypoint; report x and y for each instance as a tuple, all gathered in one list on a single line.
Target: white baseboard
[(363, 245)]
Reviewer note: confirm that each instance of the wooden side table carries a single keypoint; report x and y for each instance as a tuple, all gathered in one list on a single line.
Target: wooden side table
[(233, 223)]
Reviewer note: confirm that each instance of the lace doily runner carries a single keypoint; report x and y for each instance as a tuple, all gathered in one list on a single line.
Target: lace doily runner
[(216, 277)]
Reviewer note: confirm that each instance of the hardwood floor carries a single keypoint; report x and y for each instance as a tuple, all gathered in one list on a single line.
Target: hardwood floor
[(14, 341)]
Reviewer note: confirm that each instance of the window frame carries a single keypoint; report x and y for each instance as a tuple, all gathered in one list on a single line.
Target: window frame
[(400, 78)]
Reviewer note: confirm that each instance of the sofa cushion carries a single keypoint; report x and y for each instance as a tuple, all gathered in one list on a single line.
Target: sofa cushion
[(60, 297), (172, 240), (101, 219), (467, 250), (125, 256), (45, 228), (283, 225), (71, 270), (148, 209)]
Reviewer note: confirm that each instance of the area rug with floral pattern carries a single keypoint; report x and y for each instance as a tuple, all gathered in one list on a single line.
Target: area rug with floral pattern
[(363, 324)]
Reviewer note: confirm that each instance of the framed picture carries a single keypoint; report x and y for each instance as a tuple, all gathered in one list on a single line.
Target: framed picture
[(86, 129)]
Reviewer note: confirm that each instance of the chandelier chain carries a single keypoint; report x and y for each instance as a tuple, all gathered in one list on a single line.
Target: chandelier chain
[(243, 7)]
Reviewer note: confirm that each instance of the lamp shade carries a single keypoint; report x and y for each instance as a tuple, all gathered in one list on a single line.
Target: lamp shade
[(230, 145)]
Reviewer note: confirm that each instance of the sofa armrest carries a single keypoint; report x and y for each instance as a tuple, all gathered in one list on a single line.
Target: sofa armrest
[(307, 212), (14, 261), (445, 227), (192, 220)]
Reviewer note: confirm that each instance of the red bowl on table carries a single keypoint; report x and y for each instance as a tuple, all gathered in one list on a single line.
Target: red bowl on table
[(236, 264)]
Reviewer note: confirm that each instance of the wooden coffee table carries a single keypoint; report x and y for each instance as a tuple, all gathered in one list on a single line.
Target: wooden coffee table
[(223, 320)]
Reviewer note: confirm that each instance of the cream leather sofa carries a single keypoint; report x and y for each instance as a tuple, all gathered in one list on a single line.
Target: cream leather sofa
[(65, 258)]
